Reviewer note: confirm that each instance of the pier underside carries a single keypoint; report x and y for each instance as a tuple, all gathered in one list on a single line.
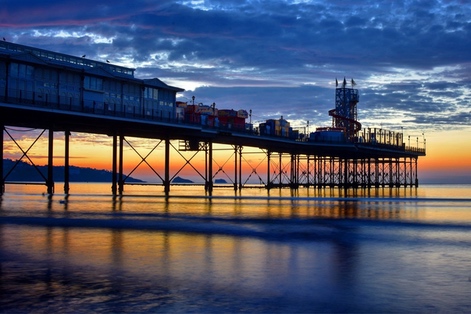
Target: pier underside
[(49, 98), (230, 165)]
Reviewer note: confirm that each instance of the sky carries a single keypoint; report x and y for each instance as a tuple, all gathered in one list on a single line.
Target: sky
[(411, 60)]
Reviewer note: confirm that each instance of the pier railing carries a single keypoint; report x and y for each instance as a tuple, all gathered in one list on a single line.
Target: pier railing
[(379, 138)]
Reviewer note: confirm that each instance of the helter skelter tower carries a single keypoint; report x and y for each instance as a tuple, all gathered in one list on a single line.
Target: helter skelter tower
[(344, 116)]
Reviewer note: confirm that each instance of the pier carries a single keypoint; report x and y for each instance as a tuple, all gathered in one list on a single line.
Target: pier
[(58, 93)]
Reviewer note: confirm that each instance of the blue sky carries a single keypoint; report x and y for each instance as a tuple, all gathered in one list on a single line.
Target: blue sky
[(411, 59)]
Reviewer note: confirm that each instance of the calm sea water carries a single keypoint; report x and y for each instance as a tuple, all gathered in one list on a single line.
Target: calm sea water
[(282, 251)]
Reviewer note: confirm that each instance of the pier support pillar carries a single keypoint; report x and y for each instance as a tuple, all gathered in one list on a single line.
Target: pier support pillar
[(235, 167), (268, 171), (369, 173), (114, 165), (66, 163), (308, 171), (2, 179), (345, 180), (209, 178), (167, 167), (120, 175), (240, 168), (208, 167), (376, 173), (416, 174), (280, 168), (294, 171), (50, 165), (404, 167)]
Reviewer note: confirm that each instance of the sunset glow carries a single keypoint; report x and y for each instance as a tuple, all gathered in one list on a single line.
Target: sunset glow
[(410, 60)]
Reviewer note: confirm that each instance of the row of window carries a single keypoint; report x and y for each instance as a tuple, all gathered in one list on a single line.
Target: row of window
[(62, 58), (48, 78), (23, 89), (21, 70), (93, 83), (27, 86)]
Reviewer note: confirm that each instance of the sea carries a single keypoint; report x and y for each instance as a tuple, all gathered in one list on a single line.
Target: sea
[(385, 250)]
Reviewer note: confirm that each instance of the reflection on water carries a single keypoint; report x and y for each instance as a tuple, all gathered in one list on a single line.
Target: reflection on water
[(397, 204), (254, 203), (77, 267), (286, 251)]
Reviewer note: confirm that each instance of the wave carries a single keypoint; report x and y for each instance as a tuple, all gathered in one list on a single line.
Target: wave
[(265, 228), (245, 227), (304, 198)]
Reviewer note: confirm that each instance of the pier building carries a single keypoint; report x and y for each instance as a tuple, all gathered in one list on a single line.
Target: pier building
[(55, 92)]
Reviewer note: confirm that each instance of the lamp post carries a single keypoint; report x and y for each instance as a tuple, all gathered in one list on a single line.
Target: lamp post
[(250, 119)]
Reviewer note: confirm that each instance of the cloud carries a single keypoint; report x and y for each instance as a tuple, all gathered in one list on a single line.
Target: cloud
[(411, 59)]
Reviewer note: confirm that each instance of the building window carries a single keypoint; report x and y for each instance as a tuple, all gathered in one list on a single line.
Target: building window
[(93, 83), (151, 93), (21, 70)]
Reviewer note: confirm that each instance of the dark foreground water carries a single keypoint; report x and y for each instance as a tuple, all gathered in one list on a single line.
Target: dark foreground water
[(400, 250)]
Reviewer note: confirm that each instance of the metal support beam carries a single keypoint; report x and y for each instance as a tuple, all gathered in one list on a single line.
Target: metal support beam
[(405, 171), (331, 172), (167, 167), (268, 171), (292, 174), (114, 165), (209, 178), (294, 171), (280, 171), (345, 173), (208, 167), (240, 167), (66, 162), (369, 173), (2, 179), (398, 173), (50, 164), (309, 182), (120, 166), (327, 171), (236, 148), (416, 174), (187, 162), (376, 173)]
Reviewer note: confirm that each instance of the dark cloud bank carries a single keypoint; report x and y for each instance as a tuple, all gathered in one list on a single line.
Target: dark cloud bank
[(410, 59)]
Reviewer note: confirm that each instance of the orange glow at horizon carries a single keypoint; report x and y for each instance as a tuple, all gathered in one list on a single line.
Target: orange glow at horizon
[(448, 154)]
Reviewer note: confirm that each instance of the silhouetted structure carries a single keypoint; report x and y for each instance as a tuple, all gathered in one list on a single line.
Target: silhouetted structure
[(62, 93)]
